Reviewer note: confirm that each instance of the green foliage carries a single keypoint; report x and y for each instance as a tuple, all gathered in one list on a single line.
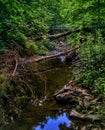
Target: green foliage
[(24, 19), (21, 19), (44, 46), (87, 13), (92, 58), (48, 44)]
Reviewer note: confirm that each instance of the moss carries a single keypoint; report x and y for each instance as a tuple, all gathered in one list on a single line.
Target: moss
[(3, 77)]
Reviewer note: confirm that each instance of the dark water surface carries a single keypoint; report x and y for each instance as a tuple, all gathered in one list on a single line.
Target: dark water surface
[(44, 113)]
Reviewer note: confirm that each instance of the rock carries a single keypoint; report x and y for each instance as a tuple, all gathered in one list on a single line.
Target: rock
[(93, 117), (73, 95), (76, 115), (87, 101), (71, 56), (84, 128), (79, 99)]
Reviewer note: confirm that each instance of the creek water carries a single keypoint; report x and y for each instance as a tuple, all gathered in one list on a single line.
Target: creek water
[(44, 113)]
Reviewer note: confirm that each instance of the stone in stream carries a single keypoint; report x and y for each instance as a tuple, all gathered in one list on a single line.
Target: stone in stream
[(73, 95), (76, 115), (71, 57)]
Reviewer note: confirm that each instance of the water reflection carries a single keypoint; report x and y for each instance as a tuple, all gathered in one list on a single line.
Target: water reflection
[(62, 58), (44, 84), (54, 123)]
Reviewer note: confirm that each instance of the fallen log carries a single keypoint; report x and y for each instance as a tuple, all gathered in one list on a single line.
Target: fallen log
[(34, 59), (56, 36), (52, 37)]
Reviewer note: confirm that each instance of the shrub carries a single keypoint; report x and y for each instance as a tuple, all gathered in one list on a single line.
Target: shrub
[(92, 57)]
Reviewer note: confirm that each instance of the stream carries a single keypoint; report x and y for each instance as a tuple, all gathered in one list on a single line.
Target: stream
[(44, 113)]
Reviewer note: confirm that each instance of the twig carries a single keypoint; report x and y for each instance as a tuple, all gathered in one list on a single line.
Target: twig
[(26, 86), (16, 65)]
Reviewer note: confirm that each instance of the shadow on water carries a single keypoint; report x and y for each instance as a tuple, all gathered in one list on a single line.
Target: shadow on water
[(48, 76), (41, 120), (52, 75)]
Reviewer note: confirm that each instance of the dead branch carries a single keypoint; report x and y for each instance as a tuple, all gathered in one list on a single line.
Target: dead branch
[(52, 37), (34, 59), (16, 65)]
